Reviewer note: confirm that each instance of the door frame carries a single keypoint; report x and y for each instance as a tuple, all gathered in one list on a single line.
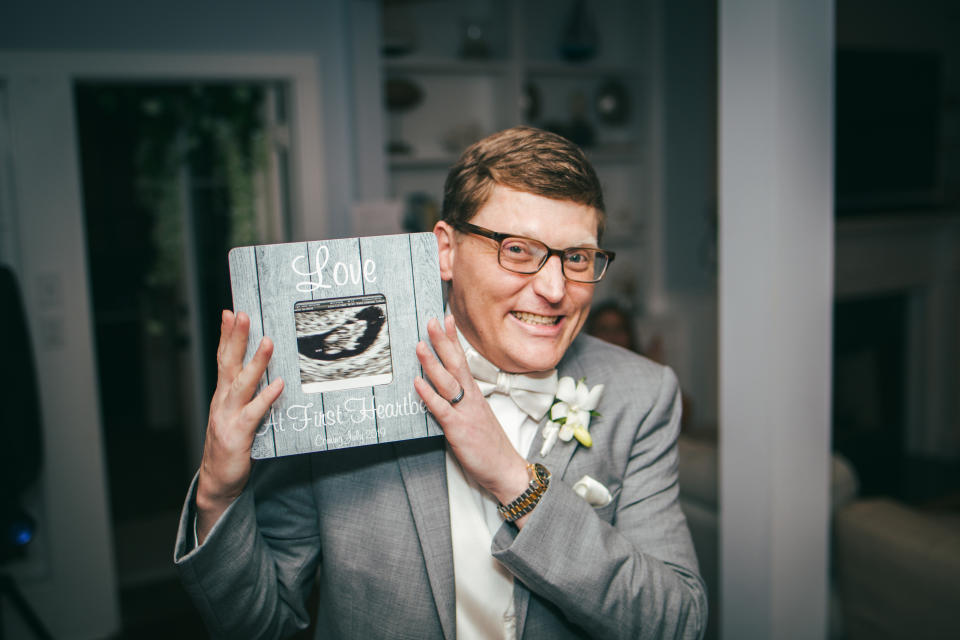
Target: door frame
[(69, 575)]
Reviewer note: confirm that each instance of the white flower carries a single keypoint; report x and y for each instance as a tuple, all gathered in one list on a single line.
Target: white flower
[(570, 414)]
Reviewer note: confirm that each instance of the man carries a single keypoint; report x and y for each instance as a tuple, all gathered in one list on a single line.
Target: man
[(480, 534)]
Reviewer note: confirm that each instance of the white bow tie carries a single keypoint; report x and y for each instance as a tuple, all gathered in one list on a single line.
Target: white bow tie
[(533, 395)]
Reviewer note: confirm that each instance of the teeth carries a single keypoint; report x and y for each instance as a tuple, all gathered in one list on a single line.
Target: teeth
[(533, 318)]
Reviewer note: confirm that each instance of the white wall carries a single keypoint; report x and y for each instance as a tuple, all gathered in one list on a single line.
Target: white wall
[(73, 584), (69, 577), (316, 27), (689, 242)]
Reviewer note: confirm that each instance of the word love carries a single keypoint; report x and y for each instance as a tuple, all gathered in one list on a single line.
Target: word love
[(341, 273)]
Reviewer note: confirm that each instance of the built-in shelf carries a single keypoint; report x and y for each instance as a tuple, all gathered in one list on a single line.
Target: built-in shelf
[(526, 80), (585, 70), (446, 66), (626, 153), (413, 163)]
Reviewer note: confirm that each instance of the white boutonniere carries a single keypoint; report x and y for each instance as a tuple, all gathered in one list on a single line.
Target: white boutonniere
[(570, 414)]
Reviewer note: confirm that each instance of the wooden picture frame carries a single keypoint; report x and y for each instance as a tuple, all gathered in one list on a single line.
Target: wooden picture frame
[(345, 316)]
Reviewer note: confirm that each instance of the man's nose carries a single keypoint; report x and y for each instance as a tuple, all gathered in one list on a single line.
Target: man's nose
[(549, 282)]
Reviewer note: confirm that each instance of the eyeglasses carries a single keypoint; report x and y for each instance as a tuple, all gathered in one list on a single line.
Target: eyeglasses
[(527, 256)]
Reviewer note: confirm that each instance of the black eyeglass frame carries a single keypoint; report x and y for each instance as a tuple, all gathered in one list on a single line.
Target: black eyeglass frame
[(466, 227)]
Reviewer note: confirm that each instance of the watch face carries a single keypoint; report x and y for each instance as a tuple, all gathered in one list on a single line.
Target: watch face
[(543, 474)]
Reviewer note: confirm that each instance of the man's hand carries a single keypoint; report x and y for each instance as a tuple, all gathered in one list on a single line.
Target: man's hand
[(235, 415), (472, 430)]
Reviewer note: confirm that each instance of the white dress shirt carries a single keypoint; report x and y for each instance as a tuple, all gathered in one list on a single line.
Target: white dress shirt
[(484, 587)]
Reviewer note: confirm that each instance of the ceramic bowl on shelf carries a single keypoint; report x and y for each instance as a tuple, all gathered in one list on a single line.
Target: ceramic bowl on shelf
[(612, 102)]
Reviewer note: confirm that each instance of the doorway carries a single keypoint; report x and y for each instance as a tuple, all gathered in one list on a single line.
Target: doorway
[(65, 252), (174, 174)]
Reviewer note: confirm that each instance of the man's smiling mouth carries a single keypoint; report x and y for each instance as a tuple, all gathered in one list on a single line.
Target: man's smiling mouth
[(533, 318)]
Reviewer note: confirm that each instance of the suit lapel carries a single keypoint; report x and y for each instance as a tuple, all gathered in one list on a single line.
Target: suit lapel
[(559, 457), (425, 479), (556, 461)]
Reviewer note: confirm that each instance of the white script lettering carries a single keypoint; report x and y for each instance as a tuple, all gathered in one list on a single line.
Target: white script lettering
[(342, 272)]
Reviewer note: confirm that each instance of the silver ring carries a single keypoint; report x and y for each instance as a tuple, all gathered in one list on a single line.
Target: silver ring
[(458, 398)]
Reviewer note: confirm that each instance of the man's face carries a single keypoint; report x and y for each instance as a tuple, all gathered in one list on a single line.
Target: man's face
[(520, 323)]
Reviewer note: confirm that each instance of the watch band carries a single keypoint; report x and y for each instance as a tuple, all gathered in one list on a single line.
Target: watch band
[(526, 501)]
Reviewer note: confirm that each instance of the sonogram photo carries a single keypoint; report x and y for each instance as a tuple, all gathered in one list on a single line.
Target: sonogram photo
[(343, 343)]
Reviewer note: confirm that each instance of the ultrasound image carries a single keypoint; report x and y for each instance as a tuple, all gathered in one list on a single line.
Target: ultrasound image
[(343, 343)]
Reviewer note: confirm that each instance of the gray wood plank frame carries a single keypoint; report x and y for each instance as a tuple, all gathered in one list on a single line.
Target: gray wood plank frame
[(267, 286)]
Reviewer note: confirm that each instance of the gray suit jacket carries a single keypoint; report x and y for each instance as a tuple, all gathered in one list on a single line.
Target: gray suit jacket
[(375, 522)]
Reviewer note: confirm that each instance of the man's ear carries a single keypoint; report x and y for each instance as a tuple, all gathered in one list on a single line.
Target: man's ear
[(446, 247)]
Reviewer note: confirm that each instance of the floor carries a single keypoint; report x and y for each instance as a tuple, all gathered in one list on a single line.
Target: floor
[(153, 603), (159, 610), (162, 610)]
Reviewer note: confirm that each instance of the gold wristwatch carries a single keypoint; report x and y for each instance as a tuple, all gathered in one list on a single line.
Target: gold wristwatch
[(524, 504)]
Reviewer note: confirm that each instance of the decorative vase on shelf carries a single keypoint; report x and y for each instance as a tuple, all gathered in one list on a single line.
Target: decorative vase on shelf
[(401, 95), (578, 128), (580, 131), (399, 36), (612, 102), (473, 40), (580, 40), (530, 102)]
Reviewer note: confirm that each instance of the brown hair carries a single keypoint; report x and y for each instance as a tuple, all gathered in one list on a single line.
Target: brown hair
[(526, 159)]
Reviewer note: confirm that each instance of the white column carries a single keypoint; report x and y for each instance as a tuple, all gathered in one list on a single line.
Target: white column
[(776, 275)]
